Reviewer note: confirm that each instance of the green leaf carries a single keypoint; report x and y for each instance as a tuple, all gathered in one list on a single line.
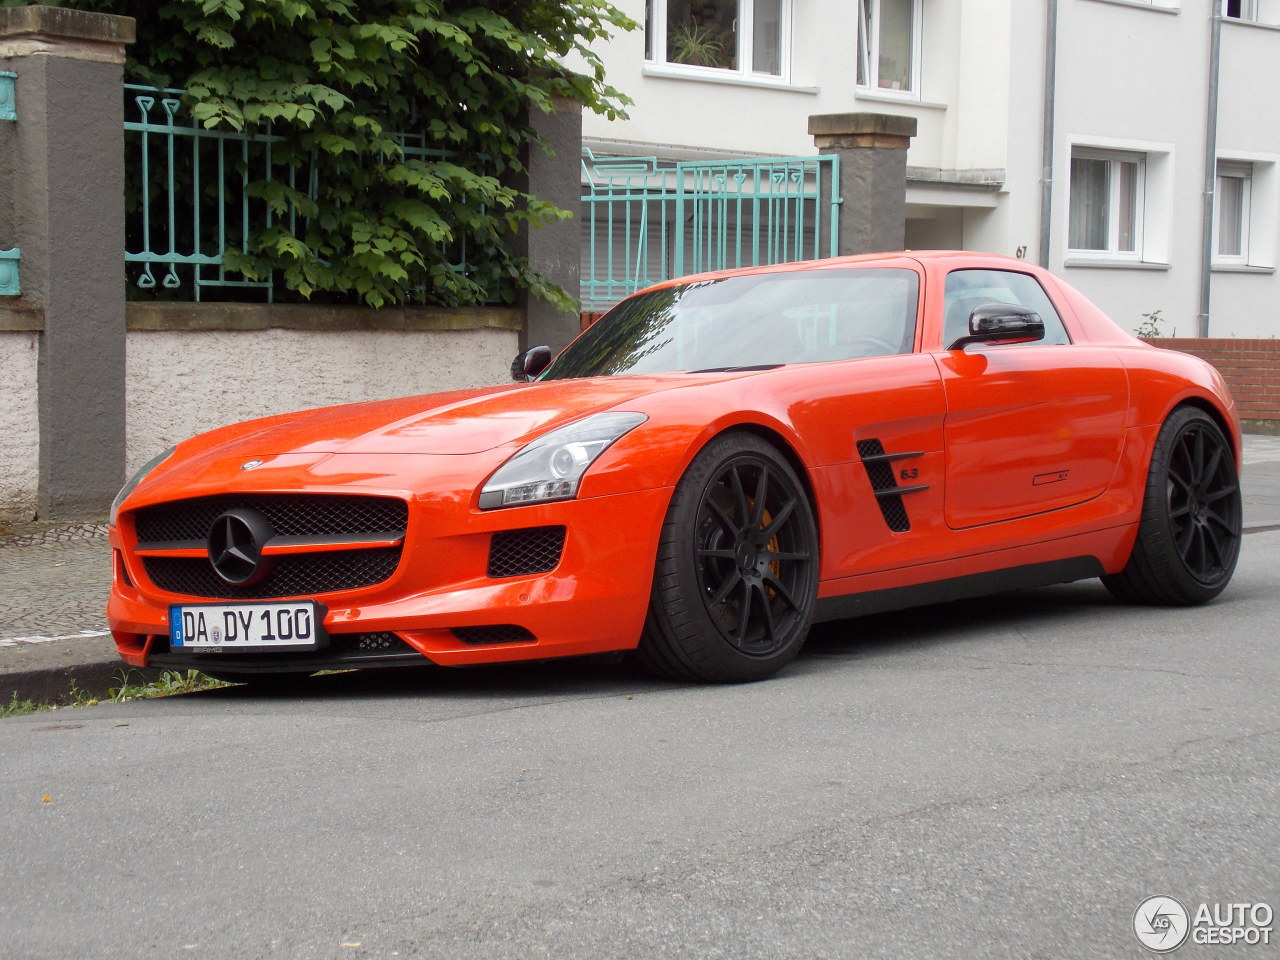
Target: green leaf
[(362, 101), (215, 36)]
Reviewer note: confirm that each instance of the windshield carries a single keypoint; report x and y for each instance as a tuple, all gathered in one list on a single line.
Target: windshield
[(760, 320)]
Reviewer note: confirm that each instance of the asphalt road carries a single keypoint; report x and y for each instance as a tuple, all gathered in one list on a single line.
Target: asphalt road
[(1001, 778)]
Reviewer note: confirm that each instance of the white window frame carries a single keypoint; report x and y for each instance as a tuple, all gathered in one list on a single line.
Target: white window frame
[(656, 45), (1234, 171), (1258, 13), (1155, 221), (1164, 6), (1114, 159), (1248, 10), (1260, 221), (868, 50)]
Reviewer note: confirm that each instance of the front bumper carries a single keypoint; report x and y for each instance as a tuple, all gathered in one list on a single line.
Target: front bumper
[(442, 603)]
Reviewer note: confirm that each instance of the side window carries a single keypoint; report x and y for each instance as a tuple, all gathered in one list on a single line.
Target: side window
[(967, 289)]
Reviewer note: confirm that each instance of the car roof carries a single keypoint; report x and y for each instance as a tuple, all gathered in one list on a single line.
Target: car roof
[(962, 258)]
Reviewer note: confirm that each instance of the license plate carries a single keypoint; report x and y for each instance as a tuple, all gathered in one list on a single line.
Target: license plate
[(209, 627)]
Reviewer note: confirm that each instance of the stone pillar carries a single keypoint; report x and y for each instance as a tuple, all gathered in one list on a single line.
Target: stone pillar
[(554, 251), (62, 171), (873, 176)]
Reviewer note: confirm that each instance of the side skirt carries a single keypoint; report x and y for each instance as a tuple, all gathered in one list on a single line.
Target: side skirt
[(957, 588)]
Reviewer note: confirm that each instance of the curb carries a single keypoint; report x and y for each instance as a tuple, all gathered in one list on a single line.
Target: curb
[(45, 685)]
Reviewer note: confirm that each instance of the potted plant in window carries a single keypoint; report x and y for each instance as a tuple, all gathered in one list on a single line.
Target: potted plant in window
[(698, 45)]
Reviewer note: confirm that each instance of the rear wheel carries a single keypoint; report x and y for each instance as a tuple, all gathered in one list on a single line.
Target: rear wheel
[(737, 567), (1189, 535)]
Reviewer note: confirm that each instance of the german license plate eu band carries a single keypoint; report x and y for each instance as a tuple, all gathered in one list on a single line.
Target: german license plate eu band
[(210, 627)]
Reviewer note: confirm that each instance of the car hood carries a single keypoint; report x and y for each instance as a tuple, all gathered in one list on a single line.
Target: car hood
[(459, 423)]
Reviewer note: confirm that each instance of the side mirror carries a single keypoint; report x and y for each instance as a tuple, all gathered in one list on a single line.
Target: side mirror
[(527, 365), (1001, 323)]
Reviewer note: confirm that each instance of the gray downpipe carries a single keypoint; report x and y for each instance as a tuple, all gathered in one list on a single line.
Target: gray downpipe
[(1046, 150), (1210, 171)]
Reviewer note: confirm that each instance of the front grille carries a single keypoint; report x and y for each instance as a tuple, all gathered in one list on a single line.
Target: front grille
[(343, 650), (290, 515), (355, 645), (169, 528), (518, 553), (497, 633), (341, 646), (295, 575)]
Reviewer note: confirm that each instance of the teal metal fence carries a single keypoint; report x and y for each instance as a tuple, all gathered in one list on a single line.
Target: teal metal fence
[(190, 199), (646, 221)]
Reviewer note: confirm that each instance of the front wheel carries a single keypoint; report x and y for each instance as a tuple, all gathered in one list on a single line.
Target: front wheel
[(1189, 535), (737, 568)]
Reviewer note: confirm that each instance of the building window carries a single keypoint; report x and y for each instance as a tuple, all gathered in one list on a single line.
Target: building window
[(1252, 11), (1106, 202), (1231, 218), (889, 45), (743, 36)]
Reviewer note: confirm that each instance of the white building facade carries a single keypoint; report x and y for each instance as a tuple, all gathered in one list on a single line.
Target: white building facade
[(1135, 110)]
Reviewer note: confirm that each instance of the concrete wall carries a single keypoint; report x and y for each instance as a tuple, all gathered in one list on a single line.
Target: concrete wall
[(19, 426), (1246, 303), (183, 383), (192, 367), (1119, 67), (62, 169)]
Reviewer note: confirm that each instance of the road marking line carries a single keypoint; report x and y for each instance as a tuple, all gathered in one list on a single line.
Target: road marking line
[(23, 641)]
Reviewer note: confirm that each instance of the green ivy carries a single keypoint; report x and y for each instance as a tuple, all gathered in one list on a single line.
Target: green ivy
[(335, 79)]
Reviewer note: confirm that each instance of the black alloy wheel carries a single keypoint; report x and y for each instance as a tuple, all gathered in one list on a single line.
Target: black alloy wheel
[(737, 568), (1192, 517)]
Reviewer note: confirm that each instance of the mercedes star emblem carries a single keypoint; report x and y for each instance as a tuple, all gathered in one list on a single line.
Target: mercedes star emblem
[(236, 540)]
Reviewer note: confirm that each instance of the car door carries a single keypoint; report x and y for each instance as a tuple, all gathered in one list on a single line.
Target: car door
[(1030, 428), (870, 419)]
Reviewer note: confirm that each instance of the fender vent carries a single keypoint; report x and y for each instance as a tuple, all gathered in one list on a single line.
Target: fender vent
[(879, 467)]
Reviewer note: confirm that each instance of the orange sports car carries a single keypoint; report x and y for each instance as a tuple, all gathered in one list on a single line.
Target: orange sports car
[(719, 462)]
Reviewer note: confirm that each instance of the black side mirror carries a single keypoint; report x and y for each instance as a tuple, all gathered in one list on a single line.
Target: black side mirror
[(527, 365), (1001, 323)]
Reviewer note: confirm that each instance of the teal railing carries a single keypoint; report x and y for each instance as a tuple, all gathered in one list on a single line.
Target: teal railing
[(189, 196), (645, 221)]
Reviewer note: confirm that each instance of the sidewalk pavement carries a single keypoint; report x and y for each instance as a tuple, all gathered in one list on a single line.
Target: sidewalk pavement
[(54, 582)]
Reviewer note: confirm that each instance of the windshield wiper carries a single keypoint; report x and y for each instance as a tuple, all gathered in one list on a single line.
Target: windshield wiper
[(754, 366)]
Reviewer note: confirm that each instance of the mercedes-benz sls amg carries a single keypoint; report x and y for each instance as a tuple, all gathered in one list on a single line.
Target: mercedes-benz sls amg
[(716, 464)]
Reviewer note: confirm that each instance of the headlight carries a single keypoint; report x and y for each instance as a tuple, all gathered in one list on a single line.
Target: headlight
[(551, 467), (136, 479)]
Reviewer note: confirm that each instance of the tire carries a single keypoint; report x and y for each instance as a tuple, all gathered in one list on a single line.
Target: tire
[(736, 574), (1189, 535)]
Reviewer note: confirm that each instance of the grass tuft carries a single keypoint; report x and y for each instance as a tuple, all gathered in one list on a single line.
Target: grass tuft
[(170, 683)]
